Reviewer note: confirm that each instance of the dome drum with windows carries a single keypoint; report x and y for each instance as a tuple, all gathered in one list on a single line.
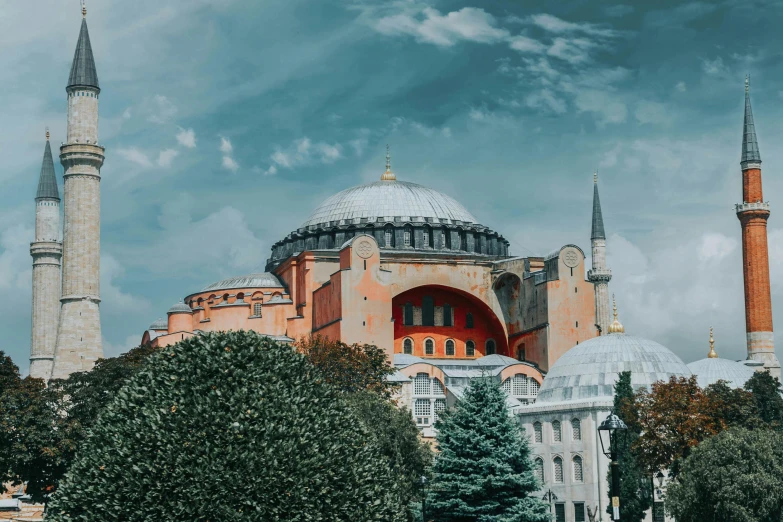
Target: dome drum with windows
[(400, 215)]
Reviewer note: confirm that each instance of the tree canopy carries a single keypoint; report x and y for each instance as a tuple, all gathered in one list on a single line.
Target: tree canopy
[(228, 426), (767, 399), (483, 472), (735, 476)]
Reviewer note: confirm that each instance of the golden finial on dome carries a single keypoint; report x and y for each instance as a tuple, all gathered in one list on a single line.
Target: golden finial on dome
[(84, 9), (388, 175), (615, 327), (712, 354), (595, 176), (47, 133)]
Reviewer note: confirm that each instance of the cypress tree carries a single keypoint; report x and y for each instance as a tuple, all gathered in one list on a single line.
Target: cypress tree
[(483, 472)]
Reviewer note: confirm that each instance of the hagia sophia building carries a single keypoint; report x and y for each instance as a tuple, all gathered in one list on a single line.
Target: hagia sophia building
[(411, 270)]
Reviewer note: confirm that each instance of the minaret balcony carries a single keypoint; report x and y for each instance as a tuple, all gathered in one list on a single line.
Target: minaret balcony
[(599, 275), (756, 206)]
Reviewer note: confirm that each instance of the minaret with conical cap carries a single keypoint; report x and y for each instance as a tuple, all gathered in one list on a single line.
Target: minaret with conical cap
[(753, 213), (47, 254), (599, 275), (79, 332)]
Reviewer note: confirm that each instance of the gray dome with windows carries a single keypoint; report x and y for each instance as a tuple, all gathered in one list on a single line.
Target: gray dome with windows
[(400, 215), (590, 370), (258, 280)]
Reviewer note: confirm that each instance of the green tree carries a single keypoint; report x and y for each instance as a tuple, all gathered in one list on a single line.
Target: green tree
[(349, 368), (228, 426), (736, 476), (635, 485), (483, 472), (766, 393), (732, 407)]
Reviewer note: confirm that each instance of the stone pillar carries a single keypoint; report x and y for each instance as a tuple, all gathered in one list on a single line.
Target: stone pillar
[(47, 254)]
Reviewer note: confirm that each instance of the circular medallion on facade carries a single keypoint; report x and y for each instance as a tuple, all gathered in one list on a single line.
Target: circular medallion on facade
[(570, 257), (364, 248)]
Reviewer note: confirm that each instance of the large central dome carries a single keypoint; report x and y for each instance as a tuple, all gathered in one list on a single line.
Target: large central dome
[(388, 200)]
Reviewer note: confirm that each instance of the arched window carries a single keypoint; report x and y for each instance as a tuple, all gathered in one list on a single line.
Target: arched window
[(429, 347), (521, 352), (490, 347), (407, 237), (449, 347), (557, 432), (578, 475), (576, 429), (538, 469), (470, 349), (240, 297), (538, 434), (437, 387), (407, 346), (427, 311), (558, 465), (225, 298), (200, 301), (407, 319), (469, 321), (388, 236), (447, 315), (445, 239), (476, 244), (534, 386), (257, 309), (421, 384), (426, 237)]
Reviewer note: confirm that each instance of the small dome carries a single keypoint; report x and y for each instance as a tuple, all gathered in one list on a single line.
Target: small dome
[(179, 308), (711, 370), (389, 199), (259, 280), (160, 324), (590, 370)]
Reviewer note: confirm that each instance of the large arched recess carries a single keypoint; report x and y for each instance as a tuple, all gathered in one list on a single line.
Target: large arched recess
[(507, 289), (486, 324)]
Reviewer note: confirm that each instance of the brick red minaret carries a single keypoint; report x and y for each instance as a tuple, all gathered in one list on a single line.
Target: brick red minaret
[(753, 213)]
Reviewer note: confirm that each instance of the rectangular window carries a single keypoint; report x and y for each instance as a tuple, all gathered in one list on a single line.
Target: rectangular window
[(579, 512), (560, 513), (440, 405), (421, 384), (427, 311), (257, 309), (422, 410)]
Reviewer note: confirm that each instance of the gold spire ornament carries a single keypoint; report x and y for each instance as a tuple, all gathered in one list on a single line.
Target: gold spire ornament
[(595, 177), (47, 133), (615, 327), (84, 9), (388, 175), (747, 83), (712, 354)]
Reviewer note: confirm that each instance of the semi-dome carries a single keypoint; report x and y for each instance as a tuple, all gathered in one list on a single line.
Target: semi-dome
[(179, 308), (387, 200), (160, 324), (258, 280), (590, 370)]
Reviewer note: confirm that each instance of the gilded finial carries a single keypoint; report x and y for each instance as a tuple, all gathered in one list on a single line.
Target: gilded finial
[(47, 133), (595, 176), (615, 327), (388, 175), (747, 83), (713, 354)]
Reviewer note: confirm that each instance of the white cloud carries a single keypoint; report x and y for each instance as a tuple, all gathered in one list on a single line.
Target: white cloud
[(113, 299), (187, 138), (557, 25), (303, 152), (606, 106), (713, 67), (225, 146), (526, 45), (136, 156), (546, 99), (127, 114), (160, 109), (572, 50), (430, 26), (230, 164), (681, 86), (653, 112), (166, 157)]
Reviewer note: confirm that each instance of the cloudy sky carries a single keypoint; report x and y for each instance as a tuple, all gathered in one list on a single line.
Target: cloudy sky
[(227, 121)]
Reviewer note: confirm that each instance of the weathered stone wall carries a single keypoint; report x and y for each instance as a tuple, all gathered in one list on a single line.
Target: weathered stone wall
[(83, 116), (47, 220)]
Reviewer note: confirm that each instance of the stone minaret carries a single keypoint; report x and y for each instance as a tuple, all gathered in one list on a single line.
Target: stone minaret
[(599, 275), (79, 333), (753, 213), (47, 252)]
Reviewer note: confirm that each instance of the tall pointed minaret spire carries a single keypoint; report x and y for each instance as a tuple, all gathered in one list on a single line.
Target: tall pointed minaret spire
[(79, 342), (46, 251), (599, 275), (388, 175), (753, 214)]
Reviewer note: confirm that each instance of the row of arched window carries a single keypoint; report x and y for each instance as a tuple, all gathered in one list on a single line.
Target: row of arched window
[(557, 431), (408, 347), (557, 471), (521, 387)]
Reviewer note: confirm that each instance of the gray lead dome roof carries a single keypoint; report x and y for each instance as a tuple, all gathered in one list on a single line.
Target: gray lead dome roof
[(709, 371), (590, 370), (389, 199), (259, 280)]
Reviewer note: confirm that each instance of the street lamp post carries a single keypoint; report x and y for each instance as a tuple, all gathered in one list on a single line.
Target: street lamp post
[(610, 431), (549, 498)]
